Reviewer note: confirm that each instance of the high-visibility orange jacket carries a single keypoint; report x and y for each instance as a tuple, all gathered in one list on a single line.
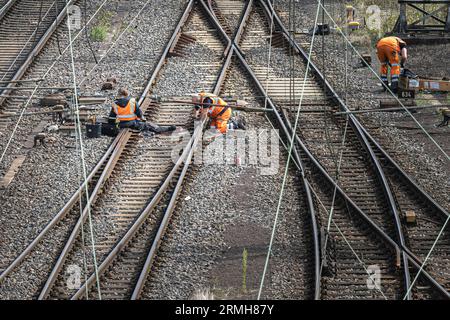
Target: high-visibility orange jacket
[(127, 113), (219, 114)]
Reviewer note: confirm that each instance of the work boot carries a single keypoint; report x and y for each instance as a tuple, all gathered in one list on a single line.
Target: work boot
[(241, 123), (394, 87)]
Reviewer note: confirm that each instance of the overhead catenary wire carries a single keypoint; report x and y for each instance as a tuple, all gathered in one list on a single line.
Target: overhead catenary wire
[(269, 57), (33, 35), (83, 237), (86, 33), (338, 170), (56, 33)]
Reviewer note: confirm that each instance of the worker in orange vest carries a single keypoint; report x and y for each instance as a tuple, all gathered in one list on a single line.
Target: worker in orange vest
[(125, 110), (217, 109), (391, 51)]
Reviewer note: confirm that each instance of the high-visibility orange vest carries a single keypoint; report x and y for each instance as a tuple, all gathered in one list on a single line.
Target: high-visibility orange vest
[(391, 42), (126, 113)]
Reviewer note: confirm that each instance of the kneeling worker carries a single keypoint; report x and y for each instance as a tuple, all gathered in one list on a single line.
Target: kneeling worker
[(125, 110), (218, 111), (391, 51)]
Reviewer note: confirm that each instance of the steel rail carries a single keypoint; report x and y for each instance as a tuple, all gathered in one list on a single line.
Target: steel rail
[(61, 214), (84, 215), (310, 203), (399, 248), (365, 144), (171, 207), (406, 253), (6, 7), (37, 48), (185, 157), (126, 135), (363, 129)]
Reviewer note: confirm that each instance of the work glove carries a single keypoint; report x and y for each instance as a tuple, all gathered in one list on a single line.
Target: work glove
[(143, 119)]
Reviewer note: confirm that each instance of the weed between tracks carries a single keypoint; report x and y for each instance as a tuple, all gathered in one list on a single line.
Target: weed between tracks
[(100, 31)]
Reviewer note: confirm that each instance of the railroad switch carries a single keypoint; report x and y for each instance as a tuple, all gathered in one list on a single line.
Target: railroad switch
[(411, 217)]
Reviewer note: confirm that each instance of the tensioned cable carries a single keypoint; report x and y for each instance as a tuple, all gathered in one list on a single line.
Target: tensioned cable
[(282, 142), (387, 87), (288, 162), (338, 163), (347, 242), (40, 17), (86, 33), (43, 77), (83, 241), (56, 32), (83, 161)]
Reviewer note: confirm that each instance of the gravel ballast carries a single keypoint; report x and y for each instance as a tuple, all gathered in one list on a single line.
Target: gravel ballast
[(397, 132), (49, 176)]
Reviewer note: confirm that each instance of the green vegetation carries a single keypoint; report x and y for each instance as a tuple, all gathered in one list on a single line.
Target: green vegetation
[(244, 270), (100, 31)]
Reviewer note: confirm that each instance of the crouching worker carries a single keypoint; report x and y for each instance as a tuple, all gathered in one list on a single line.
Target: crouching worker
[(217, 110), (391, 52), (126, 112)]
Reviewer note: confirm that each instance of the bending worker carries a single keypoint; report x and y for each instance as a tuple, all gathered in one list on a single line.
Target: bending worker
[(391, 51), (125, 110), (218, 111)]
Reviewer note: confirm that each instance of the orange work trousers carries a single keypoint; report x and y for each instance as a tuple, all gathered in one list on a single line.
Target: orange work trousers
[(389, 56), (221, 123)]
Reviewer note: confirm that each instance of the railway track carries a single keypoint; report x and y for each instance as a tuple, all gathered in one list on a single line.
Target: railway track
[(368, 185), (395, 277), (25, 27), (348, 278), (130, 188), (122, 268), (402, 200)]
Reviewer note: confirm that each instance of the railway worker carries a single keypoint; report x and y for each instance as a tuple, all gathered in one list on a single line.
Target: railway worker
[(126, 112), (218, 111), (391, 51)]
